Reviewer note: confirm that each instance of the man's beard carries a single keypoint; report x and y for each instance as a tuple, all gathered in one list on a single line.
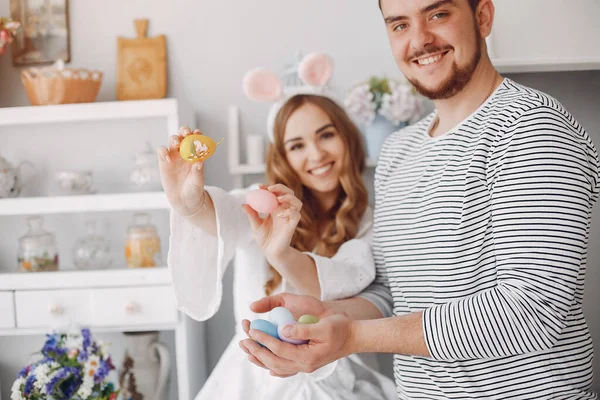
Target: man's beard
[(459, 78)]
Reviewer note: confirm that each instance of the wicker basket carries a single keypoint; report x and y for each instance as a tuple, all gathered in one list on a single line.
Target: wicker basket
[(61, 86)]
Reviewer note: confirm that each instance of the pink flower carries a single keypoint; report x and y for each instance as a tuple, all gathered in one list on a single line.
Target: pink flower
[(72, 353)]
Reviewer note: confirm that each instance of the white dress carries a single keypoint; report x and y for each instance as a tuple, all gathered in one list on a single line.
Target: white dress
[(197, 262)]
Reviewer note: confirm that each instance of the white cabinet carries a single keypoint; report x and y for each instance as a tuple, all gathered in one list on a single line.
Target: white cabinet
[(545, 35), (114, 300), (134, 306), (52, 308), (7, 310)]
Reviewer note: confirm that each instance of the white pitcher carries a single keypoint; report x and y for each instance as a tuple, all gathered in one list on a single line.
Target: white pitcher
[(145, 369)]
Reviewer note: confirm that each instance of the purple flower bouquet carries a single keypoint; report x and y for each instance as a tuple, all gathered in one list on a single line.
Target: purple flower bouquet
[(73, 367)]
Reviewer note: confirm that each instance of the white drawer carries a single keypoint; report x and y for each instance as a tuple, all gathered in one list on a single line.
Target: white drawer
[(134, 306), (7, 310), (52, 308)]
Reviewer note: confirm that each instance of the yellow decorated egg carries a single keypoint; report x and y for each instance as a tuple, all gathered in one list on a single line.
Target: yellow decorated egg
[(194, 148)]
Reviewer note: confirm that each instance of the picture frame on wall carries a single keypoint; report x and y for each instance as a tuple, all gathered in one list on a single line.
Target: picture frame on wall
[(44, 36)]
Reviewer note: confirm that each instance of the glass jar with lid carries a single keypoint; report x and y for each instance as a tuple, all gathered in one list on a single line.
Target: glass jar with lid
[(145, 175), (38, 250), (92, 251), (142, 247)]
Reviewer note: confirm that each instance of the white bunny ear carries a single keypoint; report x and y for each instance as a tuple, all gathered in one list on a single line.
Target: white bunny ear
[(316, 69), (262, 85)]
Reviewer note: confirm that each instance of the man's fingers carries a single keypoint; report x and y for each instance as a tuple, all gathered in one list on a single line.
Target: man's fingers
[(245, 345), (266, 304), (276, 375), (246, 326), (270, 354), (253, 217), (244, 349), (256, 361), (301, 331)]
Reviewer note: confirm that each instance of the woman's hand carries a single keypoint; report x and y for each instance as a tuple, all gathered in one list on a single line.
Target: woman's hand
[(274, 233), (182, 182)]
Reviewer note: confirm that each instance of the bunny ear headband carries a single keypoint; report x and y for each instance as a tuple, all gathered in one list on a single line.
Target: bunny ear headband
[(315, 70)]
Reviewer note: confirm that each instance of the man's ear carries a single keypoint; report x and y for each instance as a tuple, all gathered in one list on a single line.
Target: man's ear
[(484, 16)]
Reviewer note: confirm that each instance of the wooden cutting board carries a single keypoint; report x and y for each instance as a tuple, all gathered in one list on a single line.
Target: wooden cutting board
[(141, 65)]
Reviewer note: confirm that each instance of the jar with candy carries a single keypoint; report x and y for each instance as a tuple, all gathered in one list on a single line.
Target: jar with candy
[(37, 248), (142, 247)]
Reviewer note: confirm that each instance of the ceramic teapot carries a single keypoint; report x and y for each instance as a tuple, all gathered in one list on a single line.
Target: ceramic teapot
[(11, 180)]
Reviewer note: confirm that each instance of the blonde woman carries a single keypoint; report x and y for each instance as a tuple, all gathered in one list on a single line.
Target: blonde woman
[(317, 242)]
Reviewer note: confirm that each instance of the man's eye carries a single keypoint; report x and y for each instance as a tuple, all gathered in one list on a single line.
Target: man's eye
[(439, 15), (400, 27)]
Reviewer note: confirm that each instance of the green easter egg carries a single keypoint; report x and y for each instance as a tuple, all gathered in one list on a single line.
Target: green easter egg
[(308, 319)]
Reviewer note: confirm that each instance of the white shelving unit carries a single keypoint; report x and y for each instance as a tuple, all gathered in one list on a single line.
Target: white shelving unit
[(236, 168), (110, 300), (84, 203), (105, 111), (92, 279)]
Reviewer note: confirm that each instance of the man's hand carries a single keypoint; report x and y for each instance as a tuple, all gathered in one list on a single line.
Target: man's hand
[(329, 339), (298, 305)]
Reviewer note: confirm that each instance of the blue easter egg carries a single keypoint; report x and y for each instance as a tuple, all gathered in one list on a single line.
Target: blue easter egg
[(266, 327), (281, 316)]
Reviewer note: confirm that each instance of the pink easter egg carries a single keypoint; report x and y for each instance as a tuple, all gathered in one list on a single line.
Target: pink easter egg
[(262, 201), (284, 339)]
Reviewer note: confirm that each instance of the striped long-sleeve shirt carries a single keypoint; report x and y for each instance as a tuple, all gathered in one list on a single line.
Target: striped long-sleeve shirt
[(485, 229)]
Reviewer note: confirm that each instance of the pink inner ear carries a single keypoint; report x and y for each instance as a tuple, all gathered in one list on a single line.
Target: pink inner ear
[(316, 69), (262, 85)]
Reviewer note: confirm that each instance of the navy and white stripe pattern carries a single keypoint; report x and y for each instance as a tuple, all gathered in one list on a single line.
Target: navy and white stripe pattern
[(485, 229)]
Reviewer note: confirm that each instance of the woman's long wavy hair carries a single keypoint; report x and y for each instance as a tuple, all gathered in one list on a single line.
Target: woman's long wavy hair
[(320, 231)]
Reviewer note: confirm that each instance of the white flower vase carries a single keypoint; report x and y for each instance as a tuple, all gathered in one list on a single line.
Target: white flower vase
[(146, 367), (376, 133)]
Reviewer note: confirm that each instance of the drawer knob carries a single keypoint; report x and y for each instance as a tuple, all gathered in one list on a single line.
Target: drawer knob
[(55, 310), (132, 308)]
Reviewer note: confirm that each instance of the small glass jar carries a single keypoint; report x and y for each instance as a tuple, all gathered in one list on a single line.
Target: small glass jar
[(92, 251), (146, 175), (37, 249), (142, 248)]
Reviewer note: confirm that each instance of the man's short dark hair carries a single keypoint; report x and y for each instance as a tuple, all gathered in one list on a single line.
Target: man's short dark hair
[(472, 3)]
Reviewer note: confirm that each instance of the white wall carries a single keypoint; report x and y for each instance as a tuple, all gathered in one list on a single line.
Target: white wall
[(211, 44)]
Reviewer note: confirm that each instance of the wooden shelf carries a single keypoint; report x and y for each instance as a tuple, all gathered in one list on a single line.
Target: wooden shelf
[(75, 279), (84, 203), (98, 111)]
